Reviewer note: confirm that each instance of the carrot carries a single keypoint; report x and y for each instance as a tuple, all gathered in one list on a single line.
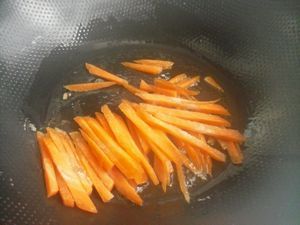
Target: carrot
[(48, 167), (124, 138), (88, 86), (97, 71), (161, 171), (166, 84), (194, 156), (142, 140), (134, 134), (75, 161), (182, 184), (151, 88), (178, 78), (211, 81), (162, 63), (149, 69), (100, 117), (95, 144), (189, 82), (185, 114), (183, 135), (132, 89), (201, 106), (217, 132), (64, 191), (120, 157), (124, 187), (209, 164), (132, 183), (233, 150), (83, 147), (103, 192), (78, 192)]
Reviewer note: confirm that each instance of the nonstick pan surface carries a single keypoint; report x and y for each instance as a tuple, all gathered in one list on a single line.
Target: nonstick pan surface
[(251, 46)]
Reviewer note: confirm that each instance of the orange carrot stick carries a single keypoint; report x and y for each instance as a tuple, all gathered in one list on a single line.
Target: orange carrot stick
[(166, 84), (218, 132), (78, 192), (211, 81), (48, 167), (134, 134), (151, 88), (161, 172), (88, 86), (178, 78), (95, 144), (100, 117), (124, 138), (83, 147), (182, 184), (162, 63), (124, 187), (183, 135), (189, 82), (132, 89), (142, 139), (149, 69), (201, 106), (185, 114), (194, 156), (233, 150), (64, 191), (97, 71)]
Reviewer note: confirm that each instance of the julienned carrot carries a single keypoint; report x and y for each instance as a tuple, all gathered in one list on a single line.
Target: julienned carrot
[(132, 89), (88, 86), (120, 157), (183, 135), (182, 184), (78, 192), (151, 88), (124, 187), (161, 172), (211, 81), (233, 150), (83, 147), (162, 63), (124, 138), (134, 134), (218, 132), (142, 139), (104, 74), (95, 144), (103, 192), (100, 117), (194, 156), (149, 69), (48, 167), (189, 82), (178, 78), (75, 161), (166, 84), (64, 191), (185, 114), (200, 106)]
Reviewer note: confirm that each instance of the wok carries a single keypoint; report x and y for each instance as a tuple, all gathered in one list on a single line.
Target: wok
[(251, 46)]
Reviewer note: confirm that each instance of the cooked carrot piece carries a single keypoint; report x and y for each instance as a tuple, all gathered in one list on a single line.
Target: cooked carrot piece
[(97, 71), (75, 161), (201, 106), (218, 132), (183, 135), (134, 135), (185, 114), (211, 81), (124, 138), (124, 187), (48, 167), (132, 89), (88, 86), (151, 88), (83, 147), (120, 157), (233, 150), (178, 78), (194, 156), (189, 82), (100, 117), (64, 191), (161, 172), (162, 63), (166, 84), (182, 184), (149, 69), (103, 192), (142, 139), (209, 164), (95, 144), (78, 192)]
